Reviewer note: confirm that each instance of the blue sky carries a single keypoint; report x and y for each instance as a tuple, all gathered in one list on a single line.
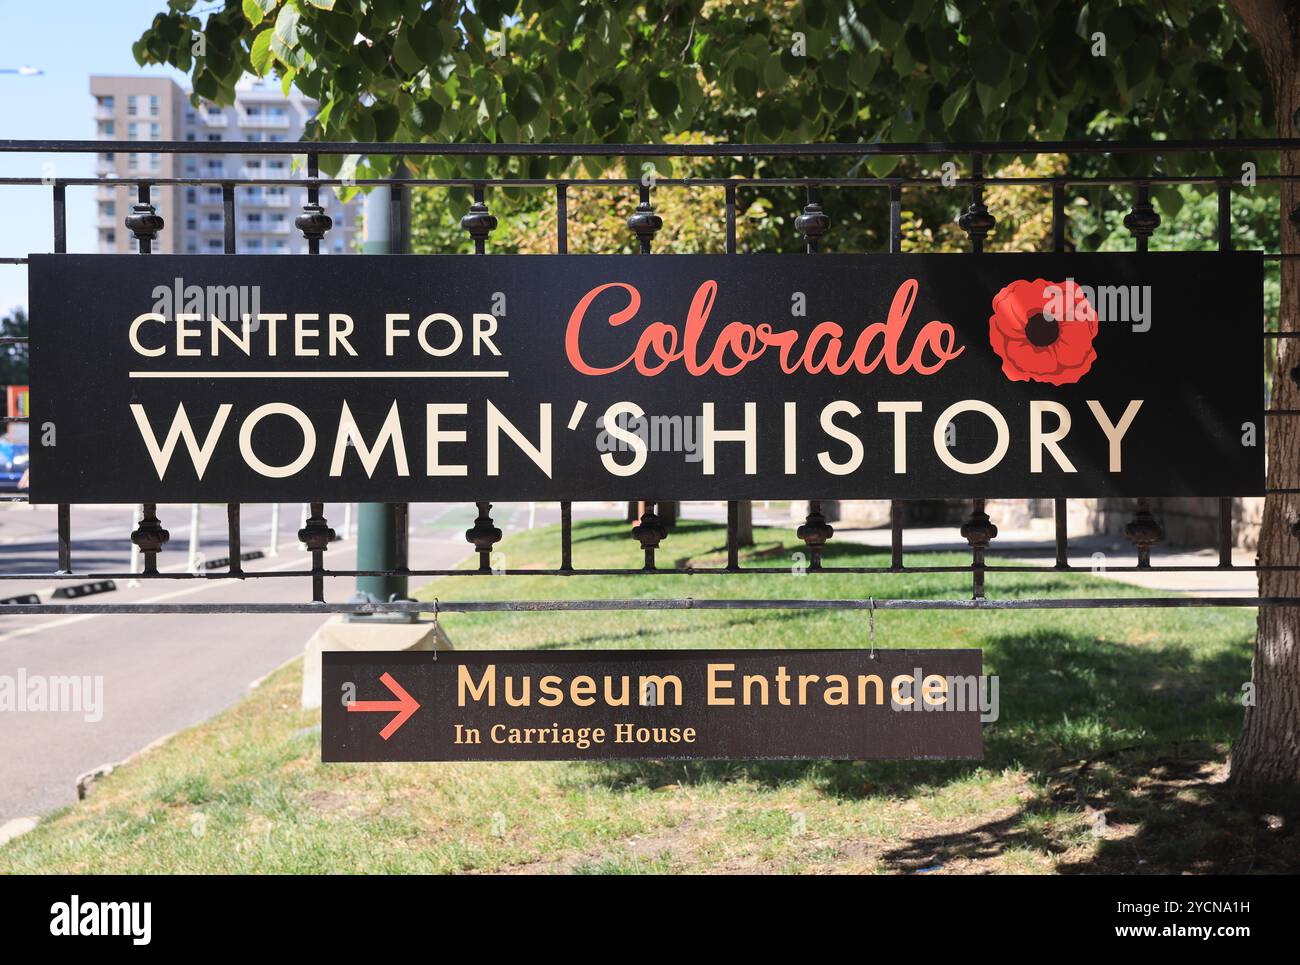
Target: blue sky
[(69, 40)]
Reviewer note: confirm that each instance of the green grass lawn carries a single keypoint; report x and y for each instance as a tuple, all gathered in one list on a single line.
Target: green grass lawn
[(1108, 755)]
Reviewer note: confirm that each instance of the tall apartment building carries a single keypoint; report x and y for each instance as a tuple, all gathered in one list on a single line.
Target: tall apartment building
[(157, 109)]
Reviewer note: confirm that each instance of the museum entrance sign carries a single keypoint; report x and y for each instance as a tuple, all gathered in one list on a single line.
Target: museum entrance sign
[(520, 705)]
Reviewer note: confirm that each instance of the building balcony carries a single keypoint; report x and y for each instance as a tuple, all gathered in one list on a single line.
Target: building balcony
[(104, 114), (262, 121), (213, 120)]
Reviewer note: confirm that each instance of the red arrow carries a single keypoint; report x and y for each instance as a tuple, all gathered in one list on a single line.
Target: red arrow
[(405, 705)]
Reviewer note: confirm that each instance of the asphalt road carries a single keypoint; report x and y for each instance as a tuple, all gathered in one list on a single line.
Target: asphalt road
[(164, 673)]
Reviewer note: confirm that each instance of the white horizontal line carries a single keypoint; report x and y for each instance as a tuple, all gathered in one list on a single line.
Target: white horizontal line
[(492, 374)]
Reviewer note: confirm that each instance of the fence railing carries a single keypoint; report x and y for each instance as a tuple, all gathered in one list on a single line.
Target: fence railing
[(975, 220)]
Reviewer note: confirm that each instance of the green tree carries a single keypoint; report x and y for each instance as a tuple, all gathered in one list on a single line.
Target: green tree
[(618, 71), (13, 357), (614, 71)]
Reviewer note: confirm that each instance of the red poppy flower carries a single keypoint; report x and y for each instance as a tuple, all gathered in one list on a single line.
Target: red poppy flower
[(1036, 345)]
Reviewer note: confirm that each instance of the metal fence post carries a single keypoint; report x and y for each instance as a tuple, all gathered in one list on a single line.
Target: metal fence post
[(377, 523)]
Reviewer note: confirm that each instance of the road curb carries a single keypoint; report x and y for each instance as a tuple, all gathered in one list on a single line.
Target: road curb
[(16, 828)]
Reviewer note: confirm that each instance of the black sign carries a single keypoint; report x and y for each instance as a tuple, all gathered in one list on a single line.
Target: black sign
[(78, 590), (26, 599), (221, 562), (409, 378), (509, 705)]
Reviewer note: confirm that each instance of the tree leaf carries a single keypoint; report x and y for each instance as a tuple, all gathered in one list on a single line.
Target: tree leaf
[(570, 62), (261, 56), (253, 11), (286, 26), (991, 61), (881, 165), (405, 54), (773, 73), (664, 95), (1017, 29), (770, 121), (954, 103), (426, 115), (525, 102), (745, 81), (1169, 199), (425, 39)]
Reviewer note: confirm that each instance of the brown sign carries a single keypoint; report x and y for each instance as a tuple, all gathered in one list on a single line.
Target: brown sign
[(654, 705)]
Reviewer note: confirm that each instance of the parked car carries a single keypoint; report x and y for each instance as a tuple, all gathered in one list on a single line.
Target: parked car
[(13, 457)]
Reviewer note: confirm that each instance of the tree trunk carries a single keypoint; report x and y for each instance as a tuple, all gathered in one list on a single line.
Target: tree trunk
[(1268, 749)]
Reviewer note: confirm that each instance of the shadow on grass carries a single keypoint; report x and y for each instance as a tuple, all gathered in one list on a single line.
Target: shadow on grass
[(1070, 697), (585, 531), (1155, 813), (653, 635), (1114, 750), (1101, 727)]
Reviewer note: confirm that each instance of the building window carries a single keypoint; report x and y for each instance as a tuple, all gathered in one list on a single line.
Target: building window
[(155, 162), (106, 101), (107, 129), (153, 105), (131, 108), (110, 208), (192, 223), (155, 132), (191, 248), (133, 131), (110, 236), (190, 195), (133, 162), (214, 137), (214, 244), (253, 244)]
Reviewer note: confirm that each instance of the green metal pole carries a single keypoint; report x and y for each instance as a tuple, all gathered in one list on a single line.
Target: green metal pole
[(377, 522)]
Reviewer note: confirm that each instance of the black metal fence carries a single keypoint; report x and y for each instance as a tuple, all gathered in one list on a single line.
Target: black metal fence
[(976, 220)]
